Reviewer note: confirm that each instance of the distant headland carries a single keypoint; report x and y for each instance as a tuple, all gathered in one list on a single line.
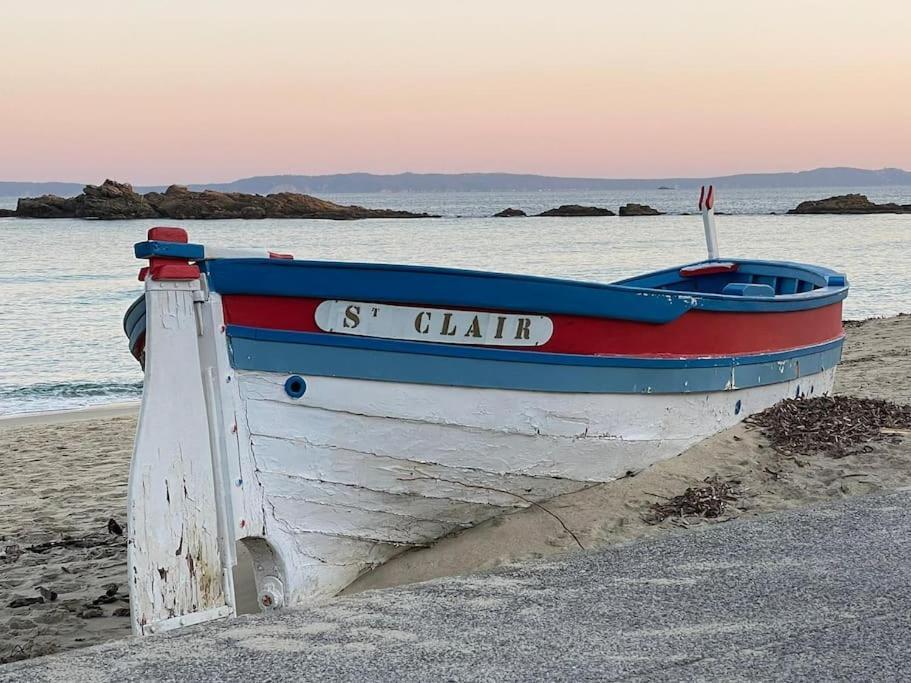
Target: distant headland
[(341, 183)]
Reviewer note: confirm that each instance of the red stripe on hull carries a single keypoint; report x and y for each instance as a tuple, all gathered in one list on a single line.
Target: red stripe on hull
[(695, 333)]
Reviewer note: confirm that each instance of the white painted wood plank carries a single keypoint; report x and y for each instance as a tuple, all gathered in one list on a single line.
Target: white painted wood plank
[(582, 459), (627, 416), (337, 520), (393, 475), (246, 504), (313, 548), (317, 565), (419, 507)]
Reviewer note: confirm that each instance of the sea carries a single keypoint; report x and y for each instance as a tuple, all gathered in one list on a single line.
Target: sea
[(65, 284)]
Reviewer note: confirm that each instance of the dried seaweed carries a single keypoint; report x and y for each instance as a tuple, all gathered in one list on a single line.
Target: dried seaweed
[(709, 501), (89, 541), (848, 324), (105, 541), (836, 426)]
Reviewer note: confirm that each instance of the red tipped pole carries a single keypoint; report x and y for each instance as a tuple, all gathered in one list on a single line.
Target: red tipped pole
[(707, 207)]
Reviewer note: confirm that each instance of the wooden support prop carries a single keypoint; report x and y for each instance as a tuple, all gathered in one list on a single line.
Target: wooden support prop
[(176, 571)]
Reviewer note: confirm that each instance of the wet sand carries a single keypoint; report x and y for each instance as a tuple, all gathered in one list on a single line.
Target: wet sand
[(65, 476)]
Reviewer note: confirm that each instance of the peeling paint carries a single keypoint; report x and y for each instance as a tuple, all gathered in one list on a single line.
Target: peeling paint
[(166, 522)]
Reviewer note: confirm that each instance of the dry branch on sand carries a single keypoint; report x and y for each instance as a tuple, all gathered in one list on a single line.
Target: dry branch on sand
[(708, 501), (837, 426)]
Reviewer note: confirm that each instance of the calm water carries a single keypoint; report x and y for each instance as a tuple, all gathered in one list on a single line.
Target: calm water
[(65, 284)]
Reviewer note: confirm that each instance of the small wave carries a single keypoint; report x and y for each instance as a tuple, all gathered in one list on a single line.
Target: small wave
[(65, 396), (71, 390)]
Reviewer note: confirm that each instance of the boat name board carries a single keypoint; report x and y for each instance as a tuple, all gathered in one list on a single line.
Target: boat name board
[(440, 325)]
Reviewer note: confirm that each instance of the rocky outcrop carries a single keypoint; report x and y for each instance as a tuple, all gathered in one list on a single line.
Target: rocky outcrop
[(114, 201), (510, 213), (7, 213), (574, 210), (639, 210), (848, 203), (46, 206)]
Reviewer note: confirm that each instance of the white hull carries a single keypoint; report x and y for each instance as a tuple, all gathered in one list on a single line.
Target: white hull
[(357, 471)]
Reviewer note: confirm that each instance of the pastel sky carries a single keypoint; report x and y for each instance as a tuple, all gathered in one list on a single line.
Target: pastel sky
[(205, 90)]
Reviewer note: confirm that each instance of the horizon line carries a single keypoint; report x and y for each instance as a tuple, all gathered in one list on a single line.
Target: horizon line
[(470, 173)]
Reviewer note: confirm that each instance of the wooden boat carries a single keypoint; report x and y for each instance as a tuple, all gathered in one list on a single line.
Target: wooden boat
[(332, 415)]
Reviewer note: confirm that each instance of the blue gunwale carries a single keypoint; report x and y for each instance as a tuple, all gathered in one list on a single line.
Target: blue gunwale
[(388, 283), (645, 298)]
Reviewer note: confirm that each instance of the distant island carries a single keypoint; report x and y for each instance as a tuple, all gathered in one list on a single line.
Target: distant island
[(341, 183), (119, 201), (577, 211), (848, 204)]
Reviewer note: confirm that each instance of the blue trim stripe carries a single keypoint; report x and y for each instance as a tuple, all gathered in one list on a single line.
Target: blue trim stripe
[(135, 313), (134, 321), (511, 355), (420, 363), (486, 290), (182, 250), (135, 334)]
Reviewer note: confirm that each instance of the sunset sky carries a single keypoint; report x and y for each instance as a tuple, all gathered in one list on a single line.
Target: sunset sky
[(181, 91)]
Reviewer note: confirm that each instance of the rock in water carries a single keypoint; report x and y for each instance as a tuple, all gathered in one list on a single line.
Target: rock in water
[(104, 600), (25, 602), (114, 527), (47, 593), (510, 213), (639, 210), (46, 206), (90, 612), (113, 201), (848, 203), (574, 210)]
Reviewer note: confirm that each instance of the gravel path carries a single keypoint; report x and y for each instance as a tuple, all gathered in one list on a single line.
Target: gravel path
[(822, 593)]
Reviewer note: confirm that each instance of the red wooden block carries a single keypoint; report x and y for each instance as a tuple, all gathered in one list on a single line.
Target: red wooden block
[(174, 271), (166, 234)]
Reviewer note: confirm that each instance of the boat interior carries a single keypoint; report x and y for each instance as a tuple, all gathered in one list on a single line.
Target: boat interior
[(740, 278)]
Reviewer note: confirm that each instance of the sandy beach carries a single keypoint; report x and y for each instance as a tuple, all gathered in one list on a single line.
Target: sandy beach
[(66, 477)]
